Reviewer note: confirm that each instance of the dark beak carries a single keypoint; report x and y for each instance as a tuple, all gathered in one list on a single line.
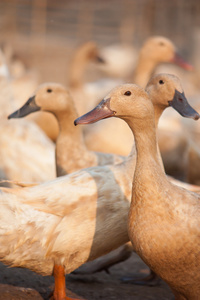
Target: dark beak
[(178, 60), (29, 107), (101, 111), (100, 60), (181, 105)]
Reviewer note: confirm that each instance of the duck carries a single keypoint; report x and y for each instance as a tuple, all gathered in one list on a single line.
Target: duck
[(86, 94), (164, 219), (84, 55), (166, 85), (155, 50), (23, 146), (45, 228), (56, 99)]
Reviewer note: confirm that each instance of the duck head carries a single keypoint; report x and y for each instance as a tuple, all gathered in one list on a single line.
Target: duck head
[(121, 102), (50, 97), (166, 90), (159, 49), (88, 52)]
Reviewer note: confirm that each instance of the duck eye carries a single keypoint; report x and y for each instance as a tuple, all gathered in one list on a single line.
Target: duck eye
[(49, 90), (127, 93), (161, 44), (161, 81)]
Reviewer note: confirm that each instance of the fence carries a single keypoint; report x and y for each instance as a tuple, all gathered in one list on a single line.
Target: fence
[(40, 28)]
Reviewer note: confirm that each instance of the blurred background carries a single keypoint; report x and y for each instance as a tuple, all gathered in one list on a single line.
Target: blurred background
[(45, 33)]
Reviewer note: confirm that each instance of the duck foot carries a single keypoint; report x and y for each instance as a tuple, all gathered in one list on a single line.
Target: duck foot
[(151, 280), (59, 292), (65, 298), (71, 296)]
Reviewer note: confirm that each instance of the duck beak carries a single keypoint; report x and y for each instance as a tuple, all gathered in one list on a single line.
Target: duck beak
[(181, 105), (101, 111), (100, 60), (29, 107), (178, 60)]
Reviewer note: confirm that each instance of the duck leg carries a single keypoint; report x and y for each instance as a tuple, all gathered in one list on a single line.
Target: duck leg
[(103, 263), (59, 292), (151, 280)]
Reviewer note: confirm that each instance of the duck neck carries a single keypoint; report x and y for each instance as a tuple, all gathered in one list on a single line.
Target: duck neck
[(77, 70), (148, 165), (131, 159), (158, 110), (146, 144), (143, 71), (69, 144)]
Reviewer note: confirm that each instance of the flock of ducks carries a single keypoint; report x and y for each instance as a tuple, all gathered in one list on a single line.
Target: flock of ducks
[(100, 201)]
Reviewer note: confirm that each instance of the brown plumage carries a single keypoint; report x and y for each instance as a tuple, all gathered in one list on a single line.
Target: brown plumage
[(164, 220)]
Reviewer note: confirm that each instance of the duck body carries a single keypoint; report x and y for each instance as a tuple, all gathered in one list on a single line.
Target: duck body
[(26, 148), (164, 228), (168, 240), (75, 228)]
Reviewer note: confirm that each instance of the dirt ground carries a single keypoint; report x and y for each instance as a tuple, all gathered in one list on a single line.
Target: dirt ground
[(29, 285)]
